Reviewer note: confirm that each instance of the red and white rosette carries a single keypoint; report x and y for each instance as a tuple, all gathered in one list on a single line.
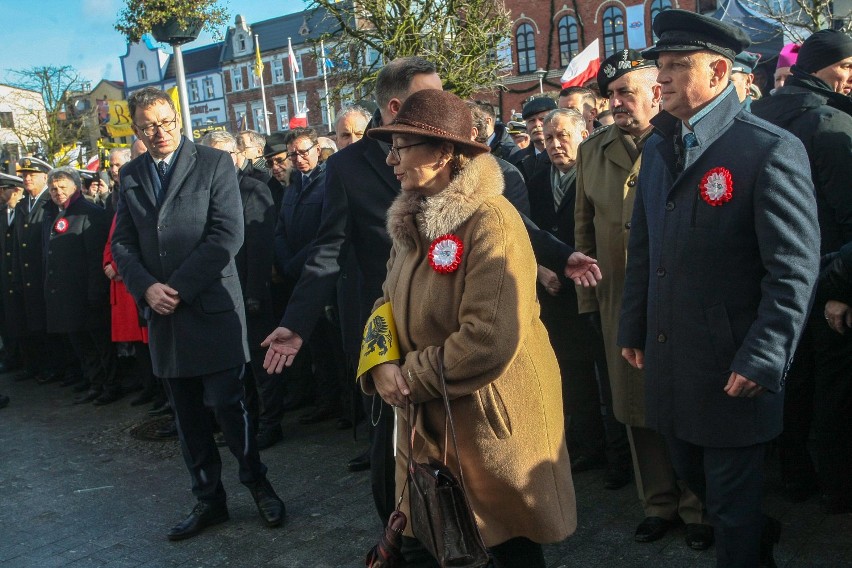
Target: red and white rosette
[(61, 225), (717, 186), (445, 253)]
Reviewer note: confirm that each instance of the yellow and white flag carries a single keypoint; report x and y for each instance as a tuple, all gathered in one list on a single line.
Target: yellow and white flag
[(380, 343)]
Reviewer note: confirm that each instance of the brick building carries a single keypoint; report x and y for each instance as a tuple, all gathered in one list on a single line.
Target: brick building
[(546, 35), (242, 87)]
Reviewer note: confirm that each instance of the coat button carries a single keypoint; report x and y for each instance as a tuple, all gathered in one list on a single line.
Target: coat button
[(631, 183), (28, 284), (159, 227), (26, 265), (162, 253), (555, 229), (24, 245), (627, 225), (661, 338), (669, 205), (661, 272), (26, 225)]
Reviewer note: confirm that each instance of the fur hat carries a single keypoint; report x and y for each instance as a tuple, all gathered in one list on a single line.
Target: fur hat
[(439, 115)]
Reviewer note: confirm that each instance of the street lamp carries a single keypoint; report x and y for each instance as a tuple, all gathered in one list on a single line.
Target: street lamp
[(541, 73)]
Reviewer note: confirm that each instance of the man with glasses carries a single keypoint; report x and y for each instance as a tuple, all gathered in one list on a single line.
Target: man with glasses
[(298, 222), (179, 225)]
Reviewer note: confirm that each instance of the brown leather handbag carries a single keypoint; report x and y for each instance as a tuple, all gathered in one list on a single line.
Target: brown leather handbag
[(441, 517)]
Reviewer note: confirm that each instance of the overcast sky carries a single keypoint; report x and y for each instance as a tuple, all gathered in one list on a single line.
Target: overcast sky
[(80, 33)]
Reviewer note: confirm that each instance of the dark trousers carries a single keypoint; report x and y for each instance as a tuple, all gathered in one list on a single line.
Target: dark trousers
[(326, 349), (98, 360), (797, 467), (514, 553), (729, 481), (833, 411), (192, 399), (382, 461)]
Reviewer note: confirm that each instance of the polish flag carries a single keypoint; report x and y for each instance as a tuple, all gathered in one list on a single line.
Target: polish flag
[(583, 67), (299, 120), (94, 164)]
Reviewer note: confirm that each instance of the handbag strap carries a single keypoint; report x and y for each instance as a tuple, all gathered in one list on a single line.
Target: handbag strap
[(449, 419)]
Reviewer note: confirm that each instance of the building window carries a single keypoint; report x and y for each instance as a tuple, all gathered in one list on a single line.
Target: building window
[(282, 114), (7, 120), (237, 79), (209, 89), (300, 72), (278, 71), (658, 6), (613, 30), (525, 41), (141, 71), (257, 116), (240, 116), (242, 42), (372, 58), (193, 92), (569, 42), (255, 80), (323, 107)]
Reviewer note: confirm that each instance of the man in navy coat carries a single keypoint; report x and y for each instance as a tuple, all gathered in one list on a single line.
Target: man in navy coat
[(722, 260), (179, 225)]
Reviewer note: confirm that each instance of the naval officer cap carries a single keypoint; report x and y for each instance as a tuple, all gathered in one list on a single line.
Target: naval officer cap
[(33, 164), (7, 180), (618, 64), (745, 62), (680, 30)]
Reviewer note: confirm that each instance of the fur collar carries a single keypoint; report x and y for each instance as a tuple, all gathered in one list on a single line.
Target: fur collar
[(445, 212)]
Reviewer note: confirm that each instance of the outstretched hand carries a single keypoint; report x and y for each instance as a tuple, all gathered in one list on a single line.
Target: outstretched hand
[(283, 346), (583, 270)]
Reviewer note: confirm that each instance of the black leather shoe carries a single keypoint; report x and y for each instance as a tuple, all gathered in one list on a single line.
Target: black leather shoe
[(82, 386), (88, 396), (108, 397), (698, 536), (768, 539), (25, 376), (319, 415), (70, 380), (4, 401), (142, 398), (343, 424), (616, 478), (652, 528), (360, 463), (161, 410), (167, 431), (269, 505), (269, 437), (586, 463), (203, 515)]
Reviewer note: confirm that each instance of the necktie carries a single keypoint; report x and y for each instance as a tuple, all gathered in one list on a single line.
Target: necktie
[(689, 140), (306, 178), (162, 168)]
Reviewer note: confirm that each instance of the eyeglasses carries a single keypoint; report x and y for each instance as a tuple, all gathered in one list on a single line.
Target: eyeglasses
[(302, 153), (272, 162), (151, 129), (394, 150)]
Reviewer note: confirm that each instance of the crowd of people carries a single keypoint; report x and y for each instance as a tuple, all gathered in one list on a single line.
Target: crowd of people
[(650, 274)]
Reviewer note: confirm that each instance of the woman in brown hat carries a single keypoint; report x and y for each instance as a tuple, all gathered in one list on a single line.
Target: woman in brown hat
[(461, 277)]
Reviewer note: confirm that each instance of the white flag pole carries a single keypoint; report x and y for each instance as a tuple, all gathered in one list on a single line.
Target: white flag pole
[(292, 61), (325, 85), (262, 88)]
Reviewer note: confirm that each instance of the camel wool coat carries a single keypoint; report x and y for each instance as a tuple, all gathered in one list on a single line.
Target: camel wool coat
[(502, 376), (606, 187)]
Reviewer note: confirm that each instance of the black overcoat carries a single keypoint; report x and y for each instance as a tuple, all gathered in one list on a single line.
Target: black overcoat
[(14, 322), (298, 221), (30, 265), (715, 289), (188, 242), (76, 290), (570, 335)]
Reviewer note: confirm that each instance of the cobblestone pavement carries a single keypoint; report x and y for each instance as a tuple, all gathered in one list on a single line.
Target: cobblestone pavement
[(76, 489)]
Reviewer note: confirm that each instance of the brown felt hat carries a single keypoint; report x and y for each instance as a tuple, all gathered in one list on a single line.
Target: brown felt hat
[(439, 115)]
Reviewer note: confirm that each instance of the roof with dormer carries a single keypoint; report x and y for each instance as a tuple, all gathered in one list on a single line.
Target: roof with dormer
[(300, 27), (203, 59)]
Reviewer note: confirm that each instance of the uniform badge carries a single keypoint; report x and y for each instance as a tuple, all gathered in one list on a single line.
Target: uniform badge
[(61, 225), (609, 71), (717, 186), (445, 253)]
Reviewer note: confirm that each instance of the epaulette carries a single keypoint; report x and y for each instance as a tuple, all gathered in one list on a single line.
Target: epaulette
[(597, 132)]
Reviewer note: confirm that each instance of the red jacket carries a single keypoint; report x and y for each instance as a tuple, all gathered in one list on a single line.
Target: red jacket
[(125, 314)]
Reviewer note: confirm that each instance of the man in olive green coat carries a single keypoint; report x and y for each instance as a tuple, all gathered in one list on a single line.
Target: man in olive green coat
[(608, 166)]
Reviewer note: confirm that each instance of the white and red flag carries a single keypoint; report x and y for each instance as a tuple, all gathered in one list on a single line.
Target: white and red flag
[(584, 67)]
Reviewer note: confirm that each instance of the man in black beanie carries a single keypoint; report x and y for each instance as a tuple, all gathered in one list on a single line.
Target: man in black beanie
[(814, 105)]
